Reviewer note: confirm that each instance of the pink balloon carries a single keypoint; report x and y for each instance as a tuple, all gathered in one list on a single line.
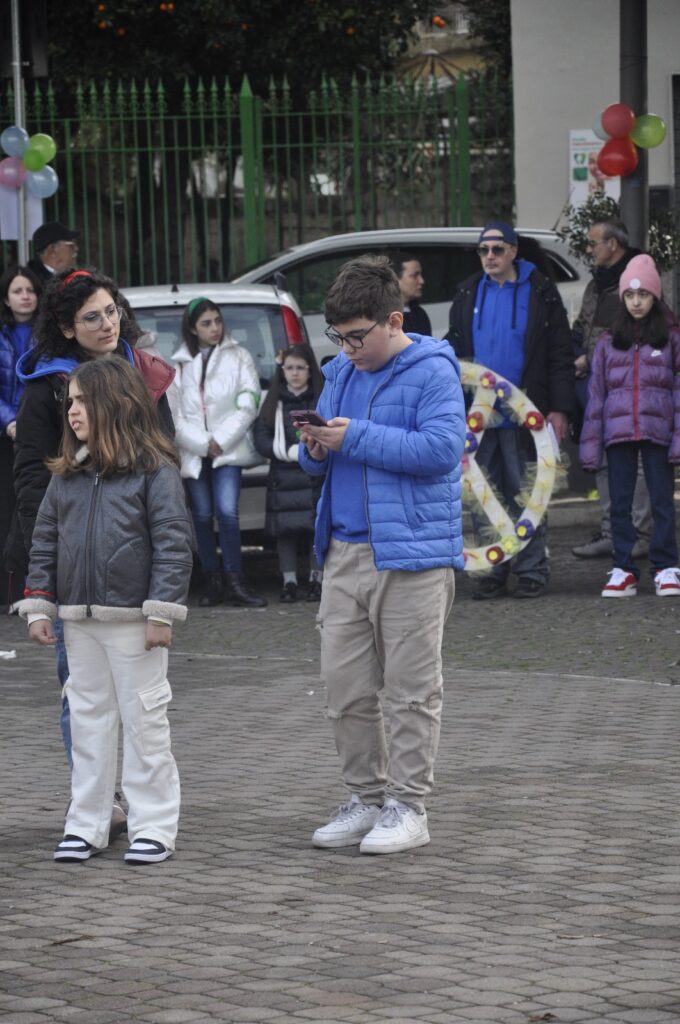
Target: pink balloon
[(12, 172)]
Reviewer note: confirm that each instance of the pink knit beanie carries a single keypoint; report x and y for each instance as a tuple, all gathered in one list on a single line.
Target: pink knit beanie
[(641, 272)]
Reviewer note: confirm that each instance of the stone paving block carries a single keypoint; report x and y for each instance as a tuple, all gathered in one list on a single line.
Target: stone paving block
[(27, 1003), (178, 1016), (644, 1017), (19, 1017)]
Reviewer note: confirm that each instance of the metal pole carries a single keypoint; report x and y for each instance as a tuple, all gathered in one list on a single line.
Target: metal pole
[(633, 83), (19, 116)]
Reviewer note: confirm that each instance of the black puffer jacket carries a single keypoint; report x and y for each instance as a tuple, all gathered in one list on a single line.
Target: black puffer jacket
[(291, 493), (548, 374)]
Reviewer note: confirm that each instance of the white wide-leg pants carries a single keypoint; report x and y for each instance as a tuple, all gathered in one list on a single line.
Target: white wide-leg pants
[(113, 679)]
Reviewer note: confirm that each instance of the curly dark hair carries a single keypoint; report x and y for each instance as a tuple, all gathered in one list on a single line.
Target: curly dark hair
[(65, 294), (6, 315)]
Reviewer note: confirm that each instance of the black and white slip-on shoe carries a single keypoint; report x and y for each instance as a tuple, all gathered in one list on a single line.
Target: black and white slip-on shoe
[(73, 849), (146, 851)]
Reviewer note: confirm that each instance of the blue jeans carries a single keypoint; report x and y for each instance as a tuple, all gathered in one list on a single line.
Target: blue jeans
[(215, 495), (62, 676), (503, 458), (622, 463)]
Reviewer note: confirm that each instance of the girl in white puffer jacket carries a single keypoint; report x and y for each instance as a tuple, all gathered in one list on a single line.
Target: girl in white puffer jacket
[(220, 396)]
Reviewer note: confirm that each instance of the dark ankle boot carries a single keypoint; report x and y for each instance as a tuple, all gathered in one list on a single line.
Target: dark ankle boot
[(214, 590), (237, 593), (289, 593)]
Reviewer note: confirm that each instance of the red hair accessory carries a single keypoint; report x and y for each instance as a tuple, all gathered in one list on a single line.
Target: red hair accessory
[(75, 273)]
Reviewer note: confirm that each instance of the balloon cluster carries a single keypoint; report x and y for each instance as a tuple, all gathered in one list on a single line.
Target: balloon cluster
[(623, 134), (27, 161)]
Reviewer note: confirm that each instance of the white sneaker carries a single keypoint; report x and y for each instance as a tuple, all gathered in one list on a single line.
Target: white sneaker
[(621, 584), (348, 826), (146, 851), (398, 828), (667, 582)]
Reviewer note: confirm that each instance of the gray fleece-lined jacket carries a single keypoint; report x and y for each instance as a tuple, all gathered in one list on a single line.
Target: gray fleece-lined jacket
[(117, 548)]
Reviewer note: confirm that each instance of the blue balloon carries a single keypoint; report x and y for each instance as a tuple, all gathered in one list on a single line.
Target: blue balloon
[(14, 141), (43, 183)]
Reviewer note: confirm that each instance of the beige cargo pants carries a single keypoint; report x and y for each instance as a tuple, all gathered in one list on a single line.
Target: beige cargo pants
[(382, 631)]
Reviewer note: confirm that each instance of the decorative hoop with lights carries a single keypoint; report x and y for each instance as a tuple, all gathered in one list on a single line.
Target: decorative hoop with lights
[(511, 536)]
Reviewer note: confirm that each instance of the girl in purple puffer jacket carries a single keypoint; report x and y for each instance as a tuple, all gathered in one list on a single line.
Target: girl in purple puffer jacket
[(634, 408)]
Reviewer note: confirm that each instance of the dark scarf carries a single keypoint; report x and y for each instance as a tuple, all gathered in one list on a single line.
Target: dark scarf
[(608, 277)]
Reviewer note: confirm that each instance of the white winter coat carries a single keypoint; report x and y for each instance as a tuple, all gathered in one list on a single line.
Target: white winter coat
[(224, 410)]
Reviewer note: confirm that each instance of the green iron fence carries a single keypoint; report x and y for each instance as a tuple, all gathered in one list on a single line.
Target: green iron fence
[(199, 184)]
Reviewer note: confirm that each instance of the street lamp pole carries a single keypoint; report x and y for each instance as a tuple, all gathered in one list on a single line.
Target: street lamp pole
[(633, 87), (19, 116)]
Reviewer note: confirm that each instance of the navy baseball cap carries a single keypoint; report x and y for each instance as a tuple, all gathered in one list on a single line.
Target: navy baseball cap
[(50, 232), (507, 233)]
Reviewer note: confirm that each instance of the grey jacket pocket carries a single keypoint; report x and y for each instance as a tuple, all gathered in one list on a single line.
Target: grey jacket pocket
[(127, 575)]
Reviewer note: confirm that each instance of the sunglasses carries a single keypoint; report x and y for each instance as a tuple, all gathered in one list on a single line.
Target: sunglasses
[(495, 250)]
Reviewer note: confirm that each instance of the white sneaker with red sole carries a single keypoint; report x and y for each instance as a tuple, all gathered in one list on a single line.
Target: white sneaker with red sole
[(667, 582), (621, 584)]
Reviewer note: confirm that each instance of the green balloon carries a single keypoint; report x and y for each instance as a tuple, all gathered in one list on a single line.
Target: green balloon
[(44, 144), (33, 160), (648, 131)]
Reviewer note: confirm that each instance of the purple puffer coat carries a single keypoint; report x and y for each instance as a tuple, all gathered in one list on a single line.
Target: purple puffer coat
[(633, 395)]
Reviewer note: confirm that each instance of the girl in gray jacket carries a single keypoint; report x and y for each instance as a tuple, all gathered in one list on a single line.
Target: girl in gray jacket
[(112, 556)]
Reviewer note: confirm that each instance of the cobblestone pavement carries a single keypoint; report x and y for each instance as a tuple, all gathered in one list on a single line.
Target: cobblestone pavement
[(549, 891)]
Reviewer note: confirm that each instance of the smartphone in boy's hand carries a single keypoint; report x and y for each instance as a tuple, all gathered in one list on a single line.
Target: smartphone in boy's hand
[(307, 417)]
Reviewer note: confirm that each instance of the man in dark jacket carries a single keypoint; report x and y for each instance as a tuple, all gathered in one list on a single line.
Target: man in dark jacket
[(55, 249), (510, 318), (610, 254)]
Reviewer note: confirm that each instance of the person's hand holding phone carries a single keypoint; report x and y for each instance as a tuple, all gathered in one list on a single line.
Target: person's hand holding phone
[(330, 436), (317, 434), (302, 419)]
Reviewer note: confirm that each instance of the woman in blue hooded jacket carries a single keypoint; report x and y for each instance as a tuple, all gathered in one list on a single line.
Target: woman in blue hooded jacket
[(19, 293)]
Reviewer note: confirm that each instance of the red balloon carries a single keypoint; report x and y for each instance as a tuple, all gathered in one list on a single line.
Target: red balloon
[(618, 156), (618, 120)]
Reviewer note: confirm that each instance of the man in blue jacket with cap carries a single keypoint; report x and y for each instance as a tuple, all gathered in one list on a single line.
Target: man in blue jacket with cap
[(510, 318), (388, 532)]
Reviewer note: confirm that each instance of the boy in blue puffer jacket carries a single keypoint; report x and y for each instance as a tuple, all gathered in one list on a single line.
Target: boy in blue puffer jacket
[(389, 533)]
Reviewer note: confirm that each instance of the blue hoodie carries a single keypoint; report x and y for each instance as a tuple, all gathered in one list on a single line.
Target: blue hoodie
[(48, 365), (410, 444), (499, 323)]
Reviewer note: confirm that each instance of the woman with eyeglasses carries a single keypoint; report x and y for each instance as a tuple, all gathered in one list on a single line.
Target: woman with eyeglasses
[(83, 316)]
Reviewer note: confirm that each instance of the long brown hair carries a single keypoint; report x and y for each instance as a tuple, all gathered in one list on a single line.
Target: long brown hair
[(125, 432)]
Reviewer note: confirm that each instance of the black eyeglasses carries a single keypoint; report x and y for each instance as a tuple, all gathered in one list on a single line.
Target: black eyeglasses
[(355, 339), (495, 250)]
